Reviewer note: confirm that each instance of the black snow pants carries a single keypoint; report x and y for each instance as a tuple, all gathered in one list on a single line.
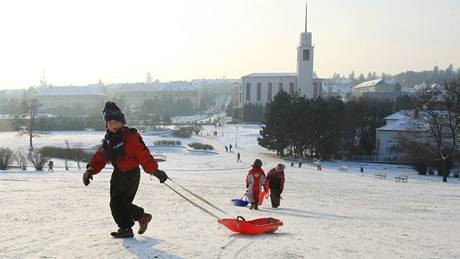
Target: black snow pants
[(123, 188), (275, 197)]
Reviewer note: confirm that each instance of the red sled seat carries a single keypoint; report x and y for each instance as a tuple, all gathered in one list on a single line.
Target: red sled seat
[(252, 227)]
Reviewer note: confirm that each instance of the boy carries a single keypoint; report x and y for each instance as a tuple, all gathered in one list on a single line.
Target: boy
[(124, 148)]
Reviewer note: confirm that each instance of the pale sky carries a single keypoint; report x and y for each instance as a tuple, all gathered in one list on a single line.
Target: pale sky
[(80, 42)]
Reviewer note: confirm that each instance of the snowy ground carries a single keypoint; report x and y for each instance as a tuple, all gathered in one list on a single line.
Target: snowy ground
[(326, 214)]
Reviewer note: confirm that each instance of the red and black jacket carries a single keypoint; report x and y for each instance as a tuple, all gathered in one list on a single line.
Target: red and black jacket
[(135, 154)]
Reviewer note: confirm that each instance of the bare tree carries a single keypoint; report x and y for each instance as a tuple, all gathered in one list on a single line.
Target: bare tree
[(30, 108), (21, 160), (438, 110)]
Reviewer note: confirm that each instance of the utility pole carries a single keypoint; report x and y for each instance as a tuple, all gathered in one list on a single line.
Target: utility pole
[(236, 137)]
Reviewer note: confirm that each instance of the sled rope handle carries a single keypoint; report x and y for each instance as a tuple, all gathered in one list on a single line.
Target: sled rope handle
[(207, 170), (193, 203), (201, 198)]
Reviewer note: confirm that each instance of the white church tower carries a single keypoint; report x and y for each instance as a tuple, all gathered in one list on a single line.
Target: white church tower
[(305, 63)]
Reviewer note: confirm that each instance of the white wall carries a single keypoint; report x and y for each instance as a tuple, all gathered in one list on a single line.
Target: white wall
[(264, 81)]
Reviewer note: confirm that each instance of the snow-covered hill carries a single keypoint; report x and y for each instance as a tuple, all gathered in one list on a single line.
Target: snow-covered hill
[(326, 214)]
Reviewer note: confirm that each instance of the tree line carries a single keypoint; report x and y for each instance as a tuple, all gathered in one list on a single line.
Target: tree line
[(325, 128)]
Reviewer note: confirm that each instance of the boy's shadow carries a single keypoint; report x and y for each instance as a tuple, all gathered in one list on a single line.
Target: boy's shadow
[(144, 248)]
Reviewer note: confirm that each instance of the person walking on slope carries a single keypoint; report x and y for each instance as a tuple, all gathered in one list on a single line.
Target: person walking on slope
[(255, 180), (124, 148), (238, 157), (275, 179)]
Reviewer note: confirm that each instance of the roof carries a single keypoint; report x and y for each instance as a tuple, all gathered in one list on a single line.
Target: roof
[(13, 93), (373, 83), (6, 117), (271, 75), (399, 115), (171, 86), (404, 121), (69, 90)]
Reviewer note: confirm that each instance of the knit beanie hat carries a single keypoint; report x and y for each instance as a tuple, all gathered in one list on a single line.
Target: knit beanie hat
[(112, 112), (257, 163)]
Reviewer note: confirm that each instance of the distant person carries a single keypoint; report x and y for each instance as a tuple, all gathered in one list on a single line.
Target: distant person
[(255, 180), (300, 162), (124, 148), (230, 147), (318, 166), (275, 179), (238, 157), (226, 148), (50, 166)]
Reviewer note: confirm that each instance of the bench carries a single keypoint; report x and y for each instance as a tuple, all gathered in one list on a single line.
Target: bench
[(401, 178), (381, 175), (343, 168)]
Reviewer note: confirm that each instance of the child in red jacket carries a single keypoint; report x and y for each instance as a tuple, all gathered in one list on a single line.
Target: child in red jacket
[(124, 148), (255, 180)]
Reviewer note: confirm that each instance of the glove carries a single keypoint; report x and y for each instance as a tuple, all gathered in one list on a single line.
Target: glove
[(247, 185), (88, 175), (161, 175)]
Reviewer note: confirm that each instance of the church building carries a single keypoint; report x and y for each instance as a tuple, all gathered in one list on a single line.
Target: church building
[(260, 88)]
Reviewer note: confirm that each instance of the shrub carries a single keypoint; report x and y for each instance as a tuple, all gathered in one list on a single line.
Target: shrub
[(167, 143), (38, 159), (438, 165), (185, 132), (420, 166), (76, 154), (6, 157), (200, 146)]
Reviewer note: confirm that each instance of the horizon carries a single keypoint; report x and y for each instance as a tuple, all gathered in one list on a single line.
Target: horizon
[(80, 43)]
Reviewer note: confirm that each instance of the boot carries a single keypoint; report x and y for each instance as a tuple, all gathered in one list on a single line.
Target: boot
[(144, 222), (252, 206), (123, 233), (256, 207)]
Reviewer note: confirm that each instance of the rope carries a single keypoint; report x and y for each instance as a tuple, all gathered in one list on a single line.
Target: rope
[(201, 198), (193, 203), (205, 170)]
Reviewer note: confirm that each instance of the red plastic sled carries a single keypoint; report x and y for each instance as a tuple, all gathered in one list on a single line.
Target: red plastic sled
[(263, 195), (252, 227)]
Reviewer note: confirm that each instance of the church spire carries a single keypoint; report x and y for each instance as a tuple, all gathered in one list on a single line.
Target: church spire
[(306, 15)]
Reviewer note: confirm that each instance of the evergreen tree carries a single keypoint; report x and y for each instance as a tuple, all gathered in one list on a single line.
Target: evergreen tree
[(275, 132)]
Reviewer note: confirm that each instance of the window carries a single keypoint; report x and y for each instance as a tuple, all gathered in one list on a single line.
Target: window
[(306, 54), (280, 87), (259, 91), (269, 91), (248, 92), (291, 88)]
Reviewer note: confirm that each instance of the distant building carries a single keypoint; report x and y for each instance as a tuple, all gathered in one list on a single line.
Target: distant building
[(136, 93), (387, 136), (334, 87), (403, 124), (377, 89), (53, 97), (11, 99), (260, 88)]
